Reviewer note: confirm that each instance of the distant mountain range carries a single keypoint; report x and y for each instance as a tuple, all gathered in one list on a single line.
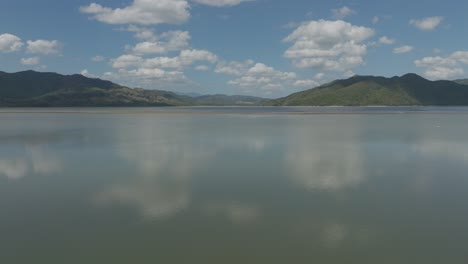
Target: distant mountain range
[(409, 89), (30, 88)]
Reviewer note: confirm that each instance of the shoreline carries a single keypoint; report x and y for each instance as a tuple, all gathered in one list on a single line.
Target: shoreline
[(243, 110)]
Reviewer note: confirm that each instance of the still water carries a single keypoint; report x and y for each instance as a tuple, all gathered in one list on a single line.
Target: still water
[(163, 187)]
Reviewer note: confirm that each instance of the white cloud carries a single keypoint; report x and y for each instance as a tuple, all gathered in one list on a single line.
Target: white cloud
[(30, 61), (444, 67), (162, 72), (148, 73), (403, 49), (307, 83), (143, 33), (375, 20), (144, 12), (263, 77), (186, 58), (202, 68), (234, 67), (166, 42), (97, 58), (342, 12), (126, 61), (328, 45), (10, 43), (386, 40), (220, 3), (348, 74), (44, 47), (319, 76), (426, 24), (86, 73)]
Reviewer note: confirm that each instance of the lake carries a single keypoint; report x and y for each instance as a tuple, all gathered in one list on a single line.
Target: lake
[(234, 185)]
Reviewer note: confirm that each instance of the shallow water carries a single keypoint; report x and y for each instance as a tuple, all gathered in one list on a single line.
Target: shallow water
[(127, 187)]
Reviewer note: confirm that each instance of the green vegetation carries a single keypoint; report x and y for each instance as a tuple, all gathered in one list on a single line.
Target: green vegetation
[(409, 89), (462, 81), (30, 88)]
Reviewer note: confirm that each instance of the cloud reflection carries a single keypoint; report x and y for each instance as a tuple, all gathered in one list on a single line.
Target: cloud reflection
[(166, 155), (234, 211), (325, 158), (164, 160), (33, 160)]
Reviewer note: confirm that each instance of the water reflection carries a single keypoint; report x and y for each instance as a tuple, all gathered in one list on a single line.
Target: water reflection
[(319, 188), (453, 149), (321, 156), (236, 212), (167, 154), (32, 159)]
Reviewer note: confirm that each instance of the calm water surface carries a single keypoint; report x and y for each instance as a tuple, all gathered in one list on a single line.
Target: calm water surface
[(234, 187)]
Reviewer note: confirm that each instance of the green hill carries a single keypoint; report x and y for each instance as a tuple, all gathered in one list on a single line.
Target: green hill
[(410, 89), (462, 81), (221, 99), (30, 88)]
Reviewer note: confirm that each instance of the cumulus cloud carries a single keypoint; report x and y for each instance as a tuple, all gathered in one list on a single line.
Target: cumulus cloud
[(126, 61), (86, 73), (426, 24), (386, 40), (202, 68), (97, 58), (444, 67), (44, 47), (144, 12), (30, 61), (263, 77), (220, 3), (328, 45), (162, 72), (306, 83), (149, 78), (342, 12), (166, 42), (143, 33), (186, 58), (403, 49), (10, 43), (234, 67)]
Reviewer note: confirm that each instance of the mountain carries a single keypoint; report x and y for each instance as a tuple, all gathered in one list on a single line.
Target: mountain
[(409, 89), (221, 99), (462, 81), (30, 88), (190, 94)]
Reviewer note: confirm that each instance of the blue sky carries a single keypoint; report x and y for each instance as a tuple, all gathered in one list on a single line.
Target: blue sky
[(267, 48)]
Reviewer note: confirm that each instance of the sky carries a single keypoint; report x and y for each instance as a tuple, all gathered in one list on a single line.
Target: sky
[(267, 48)]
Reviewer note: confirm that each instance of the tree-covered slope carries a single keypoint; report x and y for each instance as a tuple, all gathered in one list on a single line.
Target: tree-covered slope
[(409, 89), (30, 88)]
